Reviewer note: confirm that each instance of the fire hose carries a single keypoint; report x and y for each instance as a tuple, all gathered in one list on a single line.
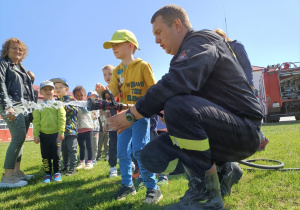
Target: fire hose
[(104, 104), (277, 167)]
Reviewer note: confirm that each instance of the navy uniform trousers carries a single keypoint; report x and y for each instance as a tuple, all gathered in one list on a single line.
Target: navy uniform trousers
[(200, 133)]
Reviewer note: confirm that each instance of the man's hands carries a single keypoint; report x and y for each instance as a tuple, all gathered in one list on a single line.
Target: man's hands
[(119, 122)]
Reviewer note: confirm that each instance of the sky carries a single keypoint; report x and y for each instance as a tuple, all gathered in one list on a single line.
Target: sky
[(65, 38)]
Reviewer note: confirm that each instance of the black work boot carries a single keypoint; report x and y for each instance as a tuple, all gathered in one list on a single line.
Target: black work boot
[(203, 192), (229, 174)]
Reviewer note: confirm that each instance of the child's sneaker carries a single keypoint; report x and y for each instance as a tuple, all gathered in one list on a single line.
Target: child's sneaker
[(153, 196), (89, 166), (12, 181), (71, 172), (106, 158), (124, 191), (163, 180), (47, 178), (21, 175), (57, 177), (263, 144), (132, 166), (113, 172), (140, 182), (80, 166), (64, 171)]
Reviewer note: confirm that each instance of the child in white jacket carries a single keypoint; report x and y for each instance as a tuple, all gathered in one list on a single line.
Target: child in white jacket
[(85, 130)]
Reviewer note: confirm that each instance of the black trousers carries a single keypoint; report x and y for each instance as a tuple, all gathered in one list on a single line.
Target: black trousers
[(113, 139), (192, 119), (112, 148), (85, 142), (50, 150)]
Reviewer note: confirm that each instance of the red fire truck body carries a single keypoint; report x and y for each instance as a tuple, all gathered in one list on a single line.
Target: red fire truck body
[(279, 91)]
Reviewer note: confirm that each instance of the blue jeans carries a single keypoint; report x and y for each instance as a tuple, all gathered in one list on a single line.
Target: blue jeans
[(139, 135)]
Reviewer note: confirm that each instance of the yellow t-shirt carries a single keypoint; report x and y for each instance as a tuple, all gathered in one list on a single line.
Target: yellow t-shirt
[(133, 82)]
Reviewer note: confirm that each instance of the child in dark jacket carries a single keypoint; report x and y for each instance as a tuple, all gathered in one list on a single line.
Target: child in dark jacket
[(69, 144)]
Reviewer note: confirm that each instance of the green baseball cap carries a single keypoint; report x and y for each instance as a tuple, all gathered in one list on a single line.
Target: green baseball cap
[(121, 36)]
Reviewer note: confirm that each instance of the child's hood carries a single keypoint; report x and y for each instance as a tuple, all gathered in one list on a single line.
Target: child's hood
[(135, 62)]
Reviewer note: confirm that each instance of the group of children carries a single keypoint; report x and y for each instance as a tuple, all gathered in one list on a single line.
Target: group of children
[(59, 129)]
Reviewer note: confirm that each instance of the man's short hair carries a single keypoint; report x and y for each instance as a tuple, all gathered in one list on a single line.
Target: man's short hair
[(170, 12)]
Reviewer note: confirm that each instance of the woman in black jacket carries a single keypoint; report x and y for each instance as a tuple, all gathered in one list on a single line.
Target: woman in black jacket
[(15, 85)]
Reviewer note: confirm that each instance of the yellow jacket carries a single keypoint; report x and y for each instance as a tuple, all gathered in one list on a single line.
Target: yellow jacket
[(133, 82), (49, 121)]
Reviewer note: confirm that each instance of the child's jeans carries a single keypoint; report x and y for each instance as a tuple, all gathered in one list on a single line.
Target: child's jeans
[(94, 145), (69, 151), (103, 141), (139, 135)]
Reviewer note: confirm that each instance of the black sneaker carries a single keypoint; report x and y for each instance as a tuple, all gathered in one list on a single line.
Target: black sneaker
[(98, 158), (153, 196), (124, 191), (64, 171), (71, 172)]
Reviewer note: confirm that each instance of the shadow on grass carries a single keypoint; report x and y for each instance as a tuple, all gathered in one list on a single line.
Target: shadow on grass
[(95, 193)]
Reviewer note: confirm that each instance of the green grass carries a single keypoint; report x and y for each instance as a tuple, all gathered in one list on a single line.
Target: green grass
[(93, 189)]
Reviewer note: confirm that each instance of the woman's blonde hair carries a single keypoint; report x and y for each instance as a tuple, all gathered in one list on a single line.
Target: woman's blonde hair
[(222, 34), (7, 44)]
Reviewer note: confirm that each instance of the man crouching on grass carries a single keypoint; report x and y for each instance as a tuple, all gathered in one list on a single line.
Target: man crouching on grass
[(211, 113)]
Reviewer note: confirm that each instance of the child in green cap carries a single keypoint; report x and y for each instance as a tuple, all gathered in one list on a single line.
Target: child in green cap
[(130, 80)]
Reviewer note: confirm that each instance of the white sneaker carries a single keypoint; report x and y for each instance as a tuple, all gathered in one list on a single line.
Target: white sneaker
[(80, 166), (89, 166), (12, 181), (21, 175), (113, 172)]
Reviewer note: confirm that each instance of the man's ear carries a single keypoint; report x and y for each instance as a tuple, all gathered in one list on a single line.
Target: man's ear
[(67, 89), (178, 24)]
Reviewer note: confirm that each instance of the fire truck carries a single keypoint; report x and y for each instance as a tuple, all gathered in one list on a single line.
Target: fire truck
[(279, 91)]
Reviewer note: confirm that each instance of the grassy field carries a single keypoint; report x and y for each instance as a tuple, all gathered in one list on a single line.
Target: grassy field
[(93, 189)]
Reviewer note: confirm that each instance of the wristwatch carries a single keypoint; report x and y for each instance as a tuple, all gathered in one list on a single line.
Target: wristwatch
[(130, 117)]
